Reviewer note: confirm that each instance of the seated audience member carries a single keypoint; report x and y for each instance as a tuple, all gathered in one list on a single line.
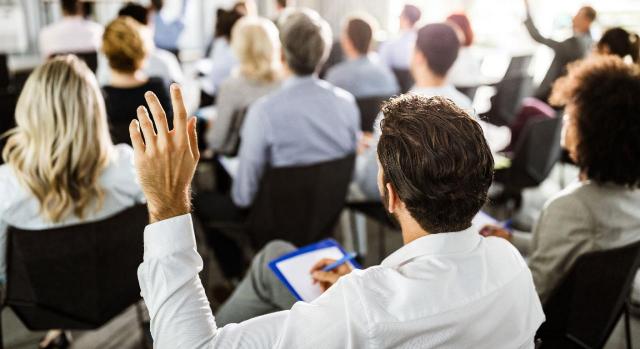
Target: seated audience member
[(126, 50), (565, 52), (222, 58), (362, 74), (396, 53), (447, 287), (619, 42), (306, 121), (465, 72), (281, 7), (72, 34), (167, 31), (160, 63), (435, 52), (246, 8), (61, 166), (599, 211), (256, 44)]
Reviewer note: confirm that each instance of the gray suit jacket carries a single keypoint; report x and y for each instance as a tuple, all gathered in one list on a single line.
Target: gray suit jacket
[(567, 51), (582, 218)]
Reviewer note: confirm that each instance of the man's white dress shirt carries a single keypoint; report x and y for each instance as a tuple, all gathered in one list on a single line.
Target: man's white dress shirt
[(450, 290), (72, 34)]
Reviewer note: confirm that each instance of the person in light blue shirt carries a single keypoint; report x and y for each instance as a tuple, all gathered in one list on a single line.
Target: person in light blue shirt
[(435, 52), (362, 74), (167, 33), (306, 121), (396, 53)]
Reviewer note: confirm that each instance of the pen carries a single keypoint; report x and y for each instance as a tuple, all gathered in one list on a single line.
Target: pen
[(347, 258)]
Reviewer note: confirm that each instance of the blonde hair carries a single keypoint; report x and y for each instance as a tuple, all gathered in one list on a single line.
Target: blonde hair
[(61, 143), (255, 42), (124, 45)]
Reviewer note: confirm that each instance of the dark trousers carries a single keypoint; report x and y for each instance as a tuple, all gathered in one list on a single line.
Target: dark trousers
[(223, 222)]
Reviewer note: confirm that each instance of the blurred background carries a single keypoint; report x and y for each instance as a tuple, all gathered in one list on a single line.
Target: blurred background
[(497, 23)]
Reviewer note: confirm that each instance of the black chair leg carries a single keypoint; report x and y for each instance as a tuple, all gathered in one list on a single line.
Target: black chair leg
[(1, 337), (627, 325)]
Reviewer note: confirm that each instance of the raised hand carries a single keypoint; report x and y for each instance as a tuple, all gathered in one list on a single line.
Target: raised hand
[(165, 161)]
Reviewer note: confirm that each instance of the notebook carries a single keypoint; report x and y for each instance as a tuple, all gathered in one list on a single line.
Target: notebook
[(293, 268)]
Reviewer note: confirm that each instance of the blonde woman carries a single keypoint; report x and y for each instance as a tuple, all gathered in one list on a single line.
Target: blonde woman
[(126, 50), (255, 43), (61, 166)]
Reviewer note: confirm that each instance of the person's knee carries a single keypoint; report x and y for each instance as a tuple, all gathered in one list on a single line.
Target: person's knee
[(277, 248)]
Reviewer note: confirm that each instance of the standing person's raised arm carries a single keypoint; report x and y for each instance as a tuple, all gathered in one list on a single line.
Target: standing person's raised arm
[(535, 34)]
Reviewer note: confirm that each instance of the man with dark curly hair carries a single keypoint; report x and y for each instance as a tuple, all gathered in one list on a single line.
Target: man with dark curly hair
[(601, 133)]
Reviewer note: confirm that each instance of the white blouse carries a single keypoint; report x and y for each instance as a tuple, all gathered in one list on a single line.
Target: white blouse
[(20, 208)]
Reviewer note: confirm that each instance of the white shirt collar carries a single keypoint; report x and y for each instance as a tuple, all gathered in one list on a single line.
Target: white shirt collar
[(434, 244)]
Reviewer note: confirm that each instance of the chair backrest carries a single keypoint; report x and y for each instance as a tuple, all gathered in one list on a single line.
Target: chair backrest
[(336, 55), (90, 58), (518, 66), (537, 150), (5, 79), (300, 204), (8, 102), (405, 80), (75, 277), (369, 110), (588, 303), (510, 91), (231, 144)]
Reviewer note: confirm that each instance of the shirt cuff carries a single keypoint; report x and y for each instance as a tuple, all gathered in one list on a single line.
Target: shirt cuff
[(169, 236)]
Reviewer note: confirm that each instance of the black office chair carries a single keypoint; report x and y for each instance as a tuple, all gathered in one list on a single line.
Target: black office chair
[(536, 152), (300, 204), (584, 309), (232, 142), (5, 78), (90, 58), (369, 110), (8, 102), (510, 91), (405, 80), (336, 55), (76, 277), (376, 212)]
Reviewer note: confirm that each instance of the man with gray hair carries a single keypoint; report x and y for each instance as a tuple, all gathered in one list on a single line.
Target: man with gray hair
[(306, 121)]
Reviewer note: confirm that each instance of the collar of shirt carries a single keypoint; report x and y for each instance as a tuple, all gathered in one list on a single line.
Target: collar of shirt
[(299, 79), (434, 244)]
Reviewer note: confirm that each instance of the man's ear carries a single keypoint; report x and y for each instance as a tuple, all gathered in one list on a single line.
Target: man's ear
[(392, 197)]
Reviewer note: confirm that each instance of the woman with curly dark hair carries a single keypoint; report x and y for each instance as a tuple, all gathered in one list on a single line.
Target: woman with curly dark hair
[(602, 135)]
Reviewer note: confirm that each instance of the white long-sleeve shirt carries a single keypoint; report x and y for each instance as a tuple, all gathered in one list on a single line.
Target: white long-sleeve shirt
[(72, 34), (450, 290)]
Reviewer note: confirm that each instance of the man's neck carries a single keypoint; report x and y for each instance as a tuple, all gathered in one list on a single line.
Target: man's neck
[(411, 230), (430, 80), (352, 56)]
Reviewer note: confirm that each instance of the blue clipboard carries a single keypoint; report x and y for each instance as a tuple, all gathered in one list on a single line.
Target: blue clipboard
[(302, 250)]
